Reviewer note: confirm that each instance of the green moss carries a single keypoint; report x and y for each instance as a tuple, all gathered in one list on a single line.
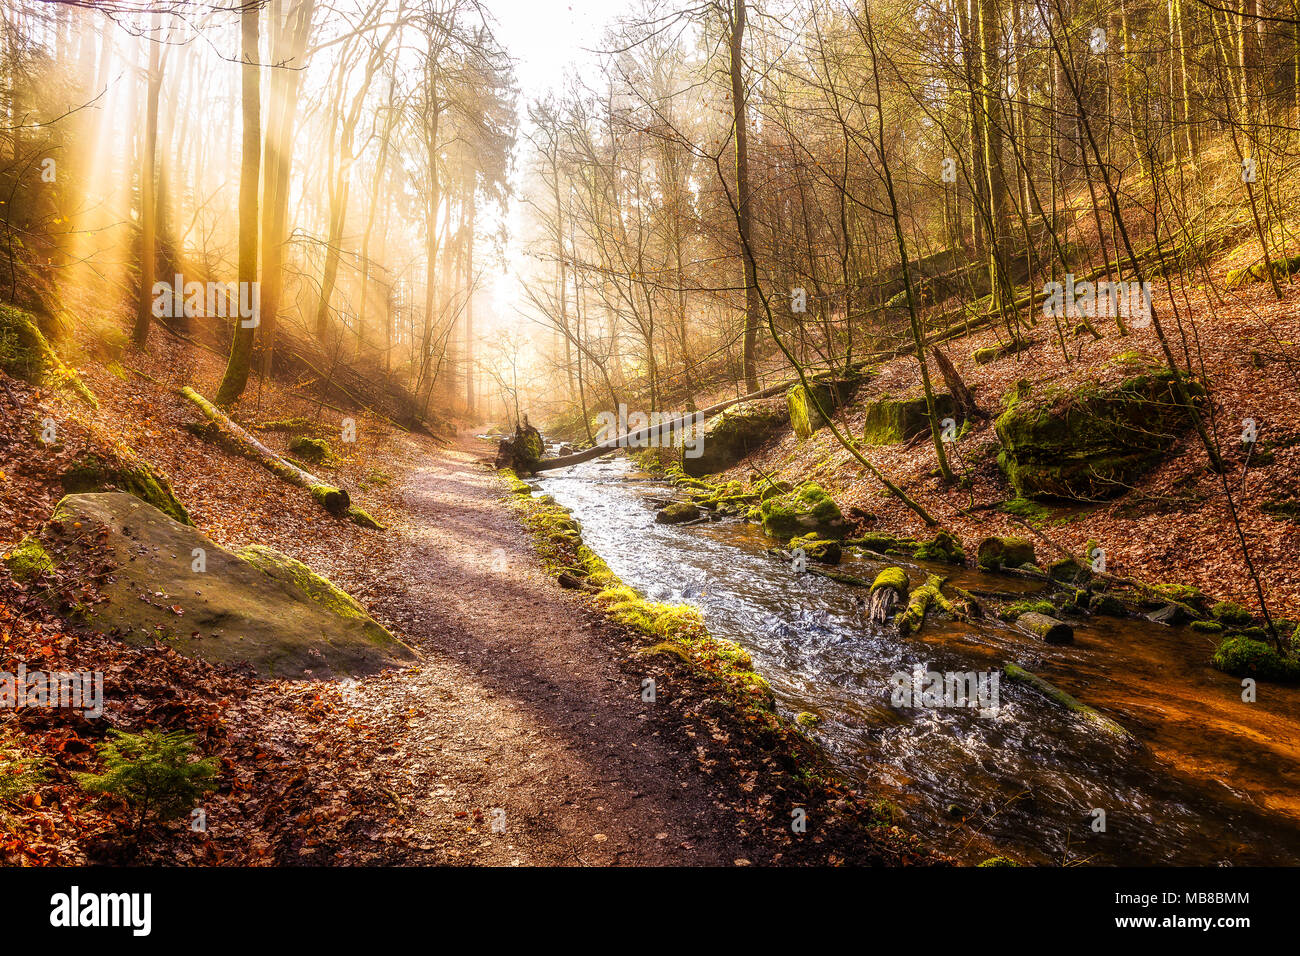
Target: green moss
[(28, 560), (818, 549), (124, 471), (316, 586), (1013, 611), (891, 420), (1031, 511), (1207, 627), (944, 547), (334, 500), (985, 355), (670, 628), (919, 604), (999, 861), (807, 718), (314, 450), (891, 577), (1090, 442), (1068, 571), (1108, 605), (364, 519), (677, 512), (1245, 657), (1231, 614), (807, 508), (25, 354)]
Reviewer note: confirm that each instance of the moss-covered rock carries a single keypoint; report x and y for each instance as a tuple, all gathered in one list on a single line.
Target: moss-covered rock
[(1243, 656), (821, 550), (1092, 442), (1014, 610), (1068, 571), (28, 560), (25, 354), (944, 546), (806, 509), (737, 432), (1108, 605), (998, 861), (1231, 614), (1207, 627), (257, 605), (677, 512), (891, 419), (996, 553), (123, 470), (313, 450)]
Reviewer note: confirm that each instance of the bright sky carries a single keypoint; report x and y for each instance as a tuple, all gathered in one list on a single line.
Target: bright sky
[(547, 36)]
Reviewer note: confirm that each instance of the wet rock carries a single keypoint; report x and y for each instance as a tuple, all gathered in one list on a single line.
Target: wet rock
[(806, 509), (677, 513), (821, 550)]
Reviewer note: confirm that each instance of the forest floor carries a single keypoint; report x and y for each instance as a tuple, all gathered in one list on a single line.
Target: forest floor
[(1175, 525), (519, 738)]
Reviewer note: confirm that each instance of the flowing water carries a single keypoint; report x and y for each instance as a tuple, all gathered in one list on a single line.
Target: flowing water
[(1213, 781)]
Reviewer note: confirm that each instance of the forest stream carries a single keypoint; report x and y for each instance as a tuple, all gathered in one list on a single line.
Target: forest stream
[(1025, 780)]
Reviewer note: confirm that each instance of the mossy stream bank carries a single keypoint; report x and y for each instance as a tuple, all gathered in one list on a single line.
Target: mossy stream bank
[(1022, 781)]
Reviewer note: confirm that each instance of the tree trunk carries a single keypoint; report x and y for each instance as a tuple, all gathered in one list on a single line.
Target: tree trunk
[(148, 195), (744, 213), (241, 347)]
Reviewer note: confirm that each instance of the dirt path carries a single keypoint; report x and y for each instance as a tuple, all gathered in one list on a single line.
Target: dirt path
[(520, 704)]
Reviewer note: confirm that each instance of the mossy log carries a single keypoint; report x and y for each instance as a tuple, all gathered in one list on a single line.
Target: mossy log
[(887, 592), (334, 500), (1048, 628), (922, 599), (1019, 675)]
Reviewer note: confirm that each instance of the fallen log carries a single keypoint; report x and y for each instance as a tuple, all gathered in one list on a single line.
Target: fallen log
[(1019, 675), (221, 428), (887, 592), (910, 621), (1048, 628)]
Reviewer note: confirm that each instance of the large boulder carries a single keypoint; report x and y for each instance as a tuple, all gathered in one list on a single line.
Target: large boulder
[(891, 419), (826, 394), (1091, 442), (168, 582), (735, 433)]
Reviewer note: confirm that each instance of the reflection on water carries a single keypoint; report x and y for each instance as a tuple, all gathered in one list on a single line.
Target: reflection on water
[(1025, 780)]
